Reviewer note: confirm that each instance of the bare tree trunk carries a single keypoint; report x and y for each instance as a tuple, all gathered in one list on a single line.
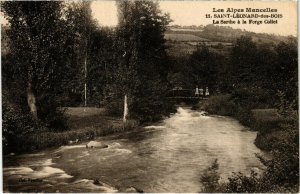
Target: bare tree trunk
[(125, 109), (31, 101), (85, 75)]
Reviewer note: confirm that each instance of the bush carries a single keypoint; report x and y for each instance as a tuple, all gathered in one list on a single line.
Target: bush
[(239, 183), (210, 178), (147, 109), (243, 115), (18, 123), (49, 113), (15, 123), (114, 107), (220, 104), (253, 97)]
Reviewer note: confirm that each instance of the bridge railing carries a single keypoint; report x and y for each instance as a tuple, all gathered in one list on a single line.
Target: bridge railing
[(183, 93)]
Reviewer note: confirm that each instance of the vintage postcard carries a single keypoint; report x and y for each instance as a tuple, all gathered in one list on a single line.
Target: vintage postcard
[(135, 96)]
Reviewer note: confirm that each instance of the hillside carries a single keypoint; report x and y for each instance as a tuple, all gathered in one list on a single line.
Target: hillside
[(183, 41)]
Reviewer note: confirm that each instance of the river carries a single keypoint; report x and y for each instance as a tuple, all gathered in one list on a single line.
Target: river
[(166, 157)]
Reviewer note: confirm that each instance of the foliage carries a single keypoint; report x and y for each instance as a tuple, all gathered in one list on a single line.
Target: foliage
[(240, 183), (15, 122), (89, 55), (265, 69), (204, 65), (141, 58), (254, 72), (243, 57), (37, 42), (286, 70), (210, 178), (220, 104)]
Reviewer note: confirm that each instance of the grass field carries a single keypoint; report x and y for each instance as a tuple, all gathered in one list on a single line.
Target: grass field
[(184, 37), (84, 111)]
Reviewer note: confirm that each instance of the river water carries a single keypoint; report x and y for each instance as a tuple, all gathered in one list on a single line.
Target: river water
[(166, 157)]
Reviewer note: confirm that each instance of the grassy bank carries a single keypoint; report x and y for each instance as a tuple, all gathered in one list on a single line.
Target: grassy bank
[(227, 105), (269, 124), (83, 123)]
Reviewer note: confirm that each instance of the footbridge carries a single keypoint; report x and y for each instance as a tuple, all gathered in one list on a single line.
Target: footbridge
[(185, 95)]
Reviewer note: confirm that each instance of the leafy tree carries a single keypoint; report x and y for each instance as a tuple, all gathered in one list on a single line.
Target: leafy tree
[(101, 64), (91, 56), (141, 68), (285, 71), (243, 59), (37, 46), (204, 65), (80, 26)]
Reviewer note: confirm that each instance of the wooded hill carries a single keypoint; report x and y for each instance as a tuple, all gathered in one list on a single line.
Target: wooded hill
[(182, 40)]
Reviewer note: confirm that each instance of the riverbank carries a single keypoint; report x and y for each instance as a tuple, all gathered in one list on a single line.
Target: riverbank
[(83, 123), (276, 133), (267, 122)]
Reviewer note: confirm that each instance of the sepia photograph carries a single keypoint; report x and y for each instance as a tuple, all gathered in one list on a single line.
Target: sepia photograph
[(149, 96)]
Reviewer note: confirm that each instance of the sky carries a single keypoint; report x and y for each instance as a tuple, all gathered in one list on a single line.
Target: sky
[(193, 13)]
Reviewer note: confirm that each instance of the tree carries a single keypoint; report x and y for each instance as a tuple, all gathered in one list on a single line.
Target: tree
[(204, 65), (37, 44), (141, 68), (91, 55), (243, 59), (285, 71), (101, 64), (80, 26)]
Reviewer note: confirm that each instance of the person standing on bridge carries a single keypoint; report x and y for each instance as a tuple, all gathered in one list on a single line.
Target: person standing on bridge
[(197, 91), (206, 92), (201, 92)]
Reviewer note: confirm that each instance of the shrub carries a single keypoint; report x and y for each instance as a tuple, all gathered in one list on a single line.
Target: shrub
[(220, 104), (243, 115), (210, 178), (15, 123), (239, 183), (114, 107)]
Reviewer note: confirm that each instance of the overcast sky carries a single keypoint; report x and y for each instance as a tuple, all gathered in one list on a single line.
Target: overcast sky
[(193, 13)]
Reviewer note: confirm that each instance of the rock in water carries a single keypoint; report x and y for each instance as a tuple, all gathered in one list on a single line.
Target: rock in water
[(96, 144), (133, 190), (97, 182)]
